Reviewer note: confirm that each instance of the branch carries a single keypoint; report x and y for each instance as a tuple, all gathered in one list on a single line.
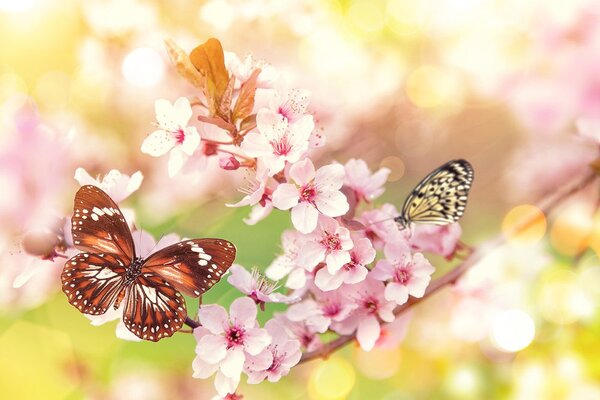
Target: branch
[(546, 206)]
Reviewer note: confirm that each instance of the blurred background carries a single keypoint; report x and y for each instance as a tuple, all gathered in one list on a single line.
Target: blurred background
[(513, 86)]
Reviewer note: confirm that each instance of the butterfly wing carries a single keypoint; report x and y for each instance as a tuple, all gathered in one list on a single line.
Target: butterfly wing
[(192, 266), (441, 197), (153, 308), (92, 282), (98, 226)]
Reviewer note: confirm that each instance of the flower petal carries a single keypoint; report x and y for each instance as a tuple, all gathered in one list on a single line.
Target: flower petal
[(256, 340), (331, 176), (176, 159), (214, 318), (240, 278), (233, 363), (368, 332), (302, 172), (202, 369), (212, 348), (191, 140), (243, 312), (305, 217), (332, 204), (285, 196), (158, 143), (396, 292)]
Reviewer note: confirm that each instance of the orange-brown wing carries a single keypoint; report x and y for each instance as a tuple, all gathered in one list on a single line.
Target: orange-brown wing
[(192, 266), (98, 226), (93, 281), (153, 308)]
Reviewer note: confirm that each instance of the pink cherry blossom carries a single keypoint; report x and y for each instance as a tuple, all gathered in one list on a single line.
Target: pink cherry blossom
[(407, 274), (291, 104), (367, 186), (257, 287), (174, 135), (286, 263), (330, 242), (314, 193), (117, 185), (380, 227), (352, 272), (277, 142), (320, 313), (285, 353), (259, 192), (242, 69), (306, 335), (438, 239), (371, 307), (225, 342)]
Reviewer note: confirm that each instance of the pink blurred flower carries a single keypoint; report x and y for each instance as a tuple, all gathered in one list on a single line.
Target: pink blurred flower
[(371, 307), (174, 135), (286, 264), (242, 69), (225, 342), (276, 141), (257, 287), (320, 313), (314, 193), (285, 353), (352, 272), (330, 242), (437, 239), (589, 128), (117, 185), (366, 186), (407, 274)]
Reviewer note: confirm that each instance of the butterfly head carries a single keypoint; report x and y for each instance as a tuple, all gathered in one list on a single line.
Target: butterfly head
[(402, 222)]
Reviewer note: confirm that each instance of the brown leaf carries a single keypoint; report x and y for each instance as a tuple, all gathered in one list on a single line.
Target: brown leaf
[(183, 65), (208, 58), (245, 102), (224, 108), (595, 165), (218, 121), (248, 123)]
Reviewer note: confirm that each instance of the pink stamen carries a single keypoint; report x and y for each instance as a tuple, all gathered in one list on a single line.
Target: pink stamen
[(281, 147), (331, 242), (180, 136), (308, 193), (401, 275), (234, 336)]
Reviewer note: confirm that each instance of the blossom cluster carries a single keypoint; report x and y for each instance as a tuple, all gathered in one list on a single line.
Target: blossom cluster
[(333, 279), (345, 266)]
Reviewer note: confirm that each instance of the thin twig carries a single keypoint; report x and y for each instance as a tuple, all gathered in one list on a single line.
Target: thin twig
[(546, 206)]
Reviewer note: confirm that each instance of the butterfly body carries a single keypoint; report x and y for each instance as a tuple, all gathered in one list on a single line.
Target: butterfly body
[(109, 273), (440, 198)]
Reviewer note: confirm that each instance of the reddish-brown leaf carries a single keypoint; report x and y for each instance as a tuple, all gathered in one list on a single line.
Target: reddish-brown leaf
[(248, 123), (208, 58), (245, 102), (218, 121)]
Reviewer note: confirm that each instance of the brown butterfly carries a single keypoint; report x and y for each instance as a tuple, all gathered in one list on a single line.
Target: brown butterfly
[(109, 271)]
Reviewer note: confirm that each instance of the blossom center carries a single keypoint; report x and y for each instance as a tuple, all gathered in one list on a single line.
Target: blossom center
[(277, 361), (180, 136), (235, 336), (370, 304), (402, 275), (352, 264), (331, 241), (281, 147), (308, 193), (330, 310)]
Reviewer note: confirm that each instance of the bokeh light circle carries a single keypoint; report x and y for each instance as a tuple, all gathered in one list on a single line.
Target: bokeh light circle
[(512, 330), (524, 225), (396, 167), (332, 379), (143, 67), (378, 363), (572, 229)]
